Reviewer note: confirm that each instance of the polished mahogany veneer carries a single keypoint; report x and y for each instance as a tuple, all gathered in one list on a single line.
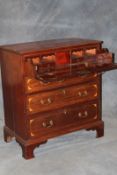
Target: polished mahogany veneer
[(52, 88)]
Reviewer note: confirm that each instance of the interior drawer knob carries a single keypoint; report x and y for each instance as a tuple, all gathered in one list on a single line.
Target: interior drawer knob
[(48, 125)]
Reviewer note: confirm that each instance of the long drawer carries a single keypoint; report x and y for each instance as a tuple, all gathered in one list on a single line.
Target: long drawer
[(61, 97), (46, 123), (33, 85)]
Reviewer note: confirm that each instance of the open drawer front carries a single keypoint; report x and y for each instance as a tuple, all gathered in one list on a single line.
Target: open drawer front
[(77, 67), (103, 68)]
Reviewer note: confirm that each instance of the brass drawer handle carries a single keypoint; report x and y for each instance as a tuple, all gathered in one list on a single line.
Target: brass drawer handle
[(48, 125), (49, 100), (65, 111), (82, 94), (46, 102), (83, 115), (63, 91)]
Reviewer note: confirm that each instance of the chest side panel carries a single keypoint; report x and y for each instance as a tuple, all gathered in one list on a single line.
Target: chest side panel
[(12, 81)]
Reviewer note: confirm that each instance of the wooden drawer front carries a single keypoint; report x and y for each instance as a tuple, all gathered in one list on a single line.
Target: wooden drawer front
[(61, 97), (33, 85), (62, 118)]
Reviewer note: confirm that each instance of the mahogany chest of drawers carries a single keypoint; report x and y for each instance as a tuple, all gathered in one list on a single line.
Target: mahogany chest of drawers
[(52, 88)]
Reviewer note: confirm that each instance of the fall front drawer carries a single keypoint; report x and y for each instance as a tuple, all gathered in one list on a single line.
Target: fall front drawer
[(61, 97), (45, 124)]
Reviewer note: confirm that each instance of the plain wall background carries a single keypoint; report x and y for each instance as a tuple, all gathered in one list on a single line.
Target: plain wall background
[(30, 20)]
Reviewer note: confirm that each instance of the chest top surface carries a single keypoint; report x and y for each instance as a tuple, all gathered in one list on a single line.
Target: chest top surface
[(45, 45)]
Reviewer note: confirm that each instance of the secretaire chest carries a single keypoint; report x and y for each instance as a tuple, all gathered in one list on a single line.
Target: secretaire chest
[(52, 88)]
